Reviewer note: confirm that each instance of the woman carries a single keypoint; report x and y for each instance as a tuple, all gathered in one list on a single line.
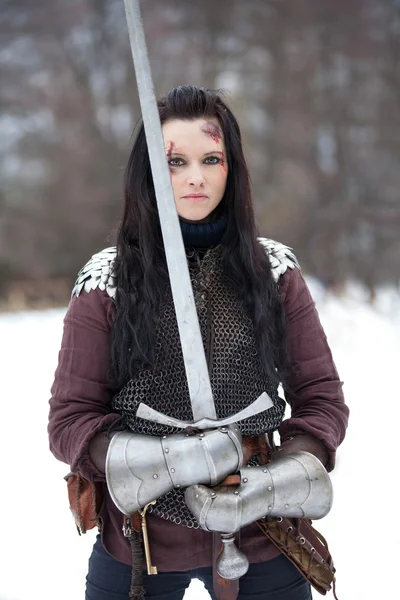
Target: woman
[(121, 347)]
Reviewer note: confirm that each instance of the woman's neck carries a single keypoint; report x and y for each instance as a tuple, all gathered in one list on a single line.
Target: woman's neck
[(204, 233)]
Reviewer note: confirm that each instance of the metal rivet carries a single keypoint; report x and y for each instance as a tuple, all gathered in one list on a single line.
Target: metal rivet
[(178, 486), (201, 435), (213, 494), (245, 480), (172, 470), (164, 437), (270, 507), (166, 450), (236, 492), (286, 505), (155, 476), (265, 470), (269, 488), (186, 435), (223, 429), (197, 495)]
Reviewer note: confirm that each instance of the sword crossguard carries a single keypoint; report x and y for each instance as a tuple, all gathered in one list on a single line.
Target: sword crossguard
[(262, 403)]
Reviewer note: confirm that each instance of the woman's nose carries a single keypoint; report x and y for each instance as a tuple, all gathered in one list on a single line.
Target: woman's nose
[(196, 176)]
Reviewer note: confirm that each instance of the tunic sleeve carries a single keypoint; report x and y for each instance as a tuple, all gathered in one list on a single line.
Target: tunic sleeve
[(313, 390), (81, 392)]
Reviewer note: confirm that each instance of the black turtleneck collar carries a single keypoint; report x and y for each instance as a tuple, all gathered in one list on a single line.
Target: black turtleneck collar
[(203, 235)]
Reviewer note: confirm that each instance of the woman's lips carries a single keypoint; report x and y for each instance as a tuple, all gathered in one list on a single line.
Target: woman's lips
[(196, 197)]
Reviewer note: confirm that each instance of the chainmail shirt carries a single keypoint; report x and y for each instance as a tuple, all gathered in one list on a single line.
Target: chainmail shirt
[(236, 373)]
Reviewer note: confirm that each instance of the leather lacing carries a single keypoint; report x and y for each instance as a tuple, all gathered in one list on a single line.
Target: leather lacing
[(300, 550)]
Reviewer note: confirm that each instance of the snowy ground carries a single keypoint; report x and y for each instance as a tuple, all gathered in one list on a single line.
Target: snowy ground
[(41, 555)]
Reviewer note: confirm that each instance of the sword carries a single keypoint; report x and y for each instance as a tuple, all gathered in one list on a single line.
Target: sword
[(201, 396)]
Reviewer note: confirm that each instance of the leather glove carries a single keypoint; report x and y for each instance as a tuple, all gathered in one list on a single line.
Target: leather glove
[(303, 442)]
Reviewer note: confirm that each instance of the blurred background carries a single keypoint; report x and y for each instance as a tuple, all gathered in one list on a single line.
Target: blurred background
[(315, 85)]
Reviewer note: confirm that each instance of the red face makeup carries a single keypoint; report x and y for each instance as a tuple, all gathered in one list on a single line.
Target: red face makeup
[(170, 149), (222, 162), (213, 130), (195, 152)]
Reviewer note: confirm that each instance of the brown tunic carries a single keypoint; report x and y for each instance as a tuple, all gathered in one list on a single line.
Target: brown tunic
[(81, 394)]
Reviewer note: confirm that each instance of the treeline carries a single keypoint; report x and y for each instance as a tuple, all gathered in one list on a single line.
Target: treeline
[(315, 85)]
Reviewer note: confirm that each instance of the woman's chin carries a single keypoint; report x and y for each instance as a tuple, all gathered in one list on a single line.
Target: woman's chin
[(195, 216)]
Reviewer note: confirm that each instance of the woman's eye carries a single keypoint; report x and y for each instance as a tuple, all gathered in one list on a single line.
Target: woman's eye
[(212, 160), (175, 162)]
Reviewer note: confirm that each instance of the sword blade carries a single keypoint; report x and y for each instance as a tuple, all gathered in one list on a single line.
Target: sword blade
[(198, 380)]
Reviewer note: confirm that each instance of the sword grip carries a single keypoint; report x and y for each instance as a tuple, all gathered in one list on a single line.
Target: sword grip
[(230, 481)]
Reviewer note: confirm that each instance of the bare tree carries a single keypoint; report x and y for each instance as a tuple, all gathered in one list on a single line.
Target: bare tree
[(315, 85)]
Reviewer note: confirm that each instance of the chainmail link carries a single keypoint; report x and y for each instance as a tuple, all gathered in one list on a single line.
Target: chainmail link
[(236, 374)]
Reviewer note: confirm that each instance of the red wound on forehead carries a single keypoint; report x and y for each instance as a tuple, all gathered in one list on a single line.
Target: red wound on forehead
[(170, 148), (213, 131)]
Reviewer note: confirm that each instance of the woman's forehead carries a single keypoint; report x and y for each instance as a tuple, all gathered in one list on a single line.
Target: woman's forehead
[(208, 127), (199, 131)]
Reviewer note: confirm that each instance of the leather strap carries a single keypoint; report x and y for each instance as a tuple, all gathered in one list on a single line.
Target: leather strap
[(305, 547)]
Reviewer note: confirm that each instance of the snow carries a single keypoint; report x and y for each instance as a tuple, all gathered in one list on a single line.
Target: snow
[(41, 555)]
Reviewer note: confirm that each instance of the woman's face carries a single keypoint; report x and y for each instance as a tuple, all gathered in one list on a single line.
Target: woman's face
[(196, 156)]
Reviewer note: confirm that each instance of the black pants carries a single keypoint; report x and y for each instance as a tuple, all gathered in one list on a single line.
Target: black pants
[(109, 579)]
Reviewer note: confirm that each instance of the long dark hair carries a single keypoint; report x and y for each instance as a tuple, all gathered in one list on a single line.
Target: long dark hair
[(140, 267)]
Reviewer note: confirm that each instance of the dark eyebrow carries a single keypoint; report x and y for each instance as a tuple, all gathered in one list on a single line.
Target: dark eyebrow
[(173, 153)]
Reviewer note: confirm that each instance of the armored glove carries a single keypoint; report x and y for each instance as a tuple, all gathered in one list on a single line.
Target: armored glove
[(295, 485), (141, 468)]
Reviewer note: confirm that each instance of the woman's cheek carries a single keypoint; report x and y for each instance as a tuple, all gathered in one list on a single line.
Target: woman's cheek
[(173, 175), (174, 181), (221, 175)]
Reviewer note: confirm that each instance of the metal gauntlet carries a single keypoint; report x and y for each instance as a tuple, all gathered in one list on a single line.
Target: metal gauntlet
[(296, 485), (141, 468)]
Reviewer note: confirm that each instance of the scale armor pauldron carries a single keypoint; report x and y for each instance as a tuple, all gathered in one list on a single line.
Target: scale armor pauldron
[(98, 271), (280, 256)]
